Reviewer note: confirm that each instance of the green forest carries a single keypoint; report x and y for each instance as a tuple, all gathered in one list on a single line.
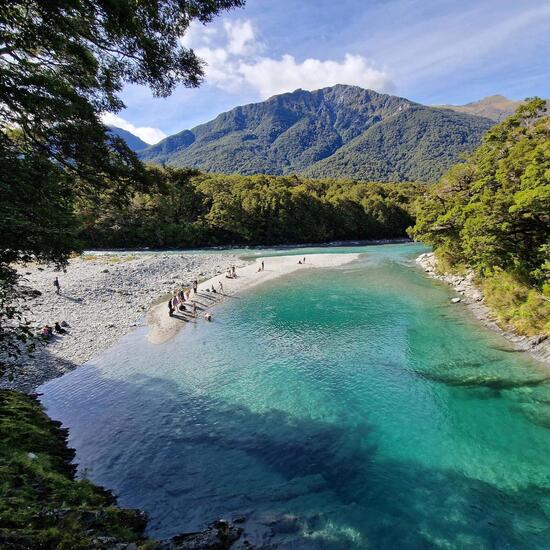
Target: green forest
[(184, 208), (492, 213)]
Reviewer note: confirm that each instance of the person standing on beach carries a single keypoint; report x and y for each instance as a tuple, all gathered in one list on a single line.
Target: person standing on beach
[(304, 260), (57, 286), (170, 308), (262, 265), (221, 287), (195, 286)]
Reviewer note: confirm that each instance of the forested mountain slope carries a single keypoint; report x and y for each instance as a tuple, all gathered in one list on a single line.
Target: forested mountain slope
[(293, 132)]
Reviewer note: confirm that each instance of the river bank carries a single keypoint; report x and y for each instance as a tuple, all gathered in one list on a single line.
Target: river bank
[(102, 298), (471, 295), (163, 327)]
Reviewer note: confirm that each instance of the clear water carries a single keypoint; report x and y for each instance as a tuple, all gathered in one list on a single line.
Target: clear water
[(345, 408)]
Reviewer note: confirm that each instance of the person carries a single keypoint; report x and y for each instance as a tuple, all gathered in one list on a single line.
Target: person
[(170, 308), (221, 287), (213, 289), (195, 286), (234, 273), (300, 262), (194, 309), (229, 274), (259, 269), (57, 286), (207, 316), (59, 329), (262, 265), (304, 260), (46, 331)]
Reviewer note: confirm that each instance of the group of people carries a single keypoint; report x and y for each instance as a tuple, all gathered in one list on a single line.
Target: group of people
[(47, 331), (231, 273), (181, 301)]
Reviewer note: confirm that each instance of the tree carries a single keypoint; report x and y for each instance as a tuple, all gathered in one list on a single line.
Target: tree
[(63, 63), (492, 213)]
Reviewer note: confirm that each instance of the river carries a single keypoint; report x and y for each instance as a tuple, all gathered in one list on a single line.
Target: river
[(354, 407)]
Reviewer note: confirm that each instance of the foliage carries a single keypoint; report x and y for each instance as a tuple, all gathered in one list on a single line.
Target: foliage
[(516, 304), (493, 213), (191, 209), (41, 505), (62, 63), (342, 131)]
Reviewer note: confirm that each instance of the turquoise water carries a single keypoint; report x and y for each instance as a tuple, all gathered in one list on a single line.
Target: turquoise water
[(344, 408)]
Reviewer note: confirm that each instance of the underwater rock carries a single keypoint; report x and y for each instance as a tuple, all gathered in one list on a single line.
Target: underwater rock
[(219, 535)]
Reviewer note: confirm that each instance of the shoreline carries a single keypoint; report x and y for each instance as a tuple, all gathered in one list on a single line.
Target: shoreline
[(230, 248), (163, 328), (106, 296), (538, 347), (102, 298)]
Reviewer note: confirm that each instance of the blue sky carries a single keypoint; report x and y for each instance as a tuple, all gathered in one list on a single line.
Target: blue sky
[(430, 51)]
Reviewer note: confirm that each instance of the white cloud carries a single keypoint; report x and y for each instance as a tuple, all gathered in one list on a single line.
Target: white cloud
[(272, 76), (234, 62), (241, 37), (146, 133)]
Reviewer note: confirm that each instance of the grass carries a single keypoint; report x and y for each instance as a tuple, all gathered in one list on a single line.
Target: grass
[(515, 304), (41, 504)]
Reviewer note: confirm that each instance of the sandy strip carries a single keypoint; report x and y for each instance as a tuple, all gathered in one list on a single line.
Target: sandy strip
[(162, 327)]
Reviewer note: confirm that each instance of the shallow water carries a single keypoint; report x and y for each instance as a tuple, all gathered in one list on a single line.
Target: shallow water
[(345, 408)]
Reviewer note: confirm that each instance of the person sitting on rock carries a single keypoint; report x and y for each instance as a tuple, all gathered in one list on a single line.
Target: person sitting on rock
[(46, 331)]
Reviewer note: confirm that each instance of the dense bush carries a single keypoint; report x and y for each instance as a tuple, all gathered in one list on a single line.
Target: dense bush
[(187, 208), (492, 213)]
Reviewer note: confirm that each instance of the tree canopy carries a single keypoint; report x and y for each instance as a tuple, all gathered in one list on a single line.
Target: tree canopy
[(187, 208), (493, 211), (63, 63)]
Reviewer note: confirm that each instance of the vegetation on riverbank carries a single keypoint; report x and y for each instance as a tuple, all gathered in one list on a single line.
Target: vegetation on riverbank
[(492, 213), (186, 208), (41, 504)]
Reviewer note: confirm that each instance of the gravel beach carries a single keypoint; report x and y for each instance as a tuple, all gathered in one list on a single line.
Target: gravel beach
[(103, 297)]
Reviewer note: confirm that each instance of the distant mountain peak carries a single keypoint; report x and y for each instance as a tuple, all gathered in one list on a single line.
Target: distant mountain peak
[(496, 107), (134, 143)]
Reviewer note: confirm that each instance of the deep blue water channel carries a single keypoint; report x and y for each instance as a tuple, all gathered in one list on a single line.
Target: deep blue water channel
[(354, 407)]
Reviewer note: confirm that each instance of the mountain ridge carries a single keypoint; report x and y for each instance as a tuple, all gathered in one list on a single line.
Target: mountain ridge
[(496, 107), (134, 142), (298, 131)]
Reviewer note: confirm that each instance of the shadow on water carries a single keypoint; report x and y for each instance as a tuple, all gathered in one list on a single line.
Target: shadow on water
[(188, 458)]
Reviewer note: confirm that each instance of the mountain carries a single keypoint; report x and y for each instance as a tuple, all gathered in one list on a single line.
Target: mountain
[(495, 107), (343, 131), (418, 144), (133, 142)]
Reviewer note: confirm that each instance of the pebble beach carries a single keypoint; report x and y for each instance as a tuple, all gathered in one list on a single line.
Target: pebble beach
[(103, 297)]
